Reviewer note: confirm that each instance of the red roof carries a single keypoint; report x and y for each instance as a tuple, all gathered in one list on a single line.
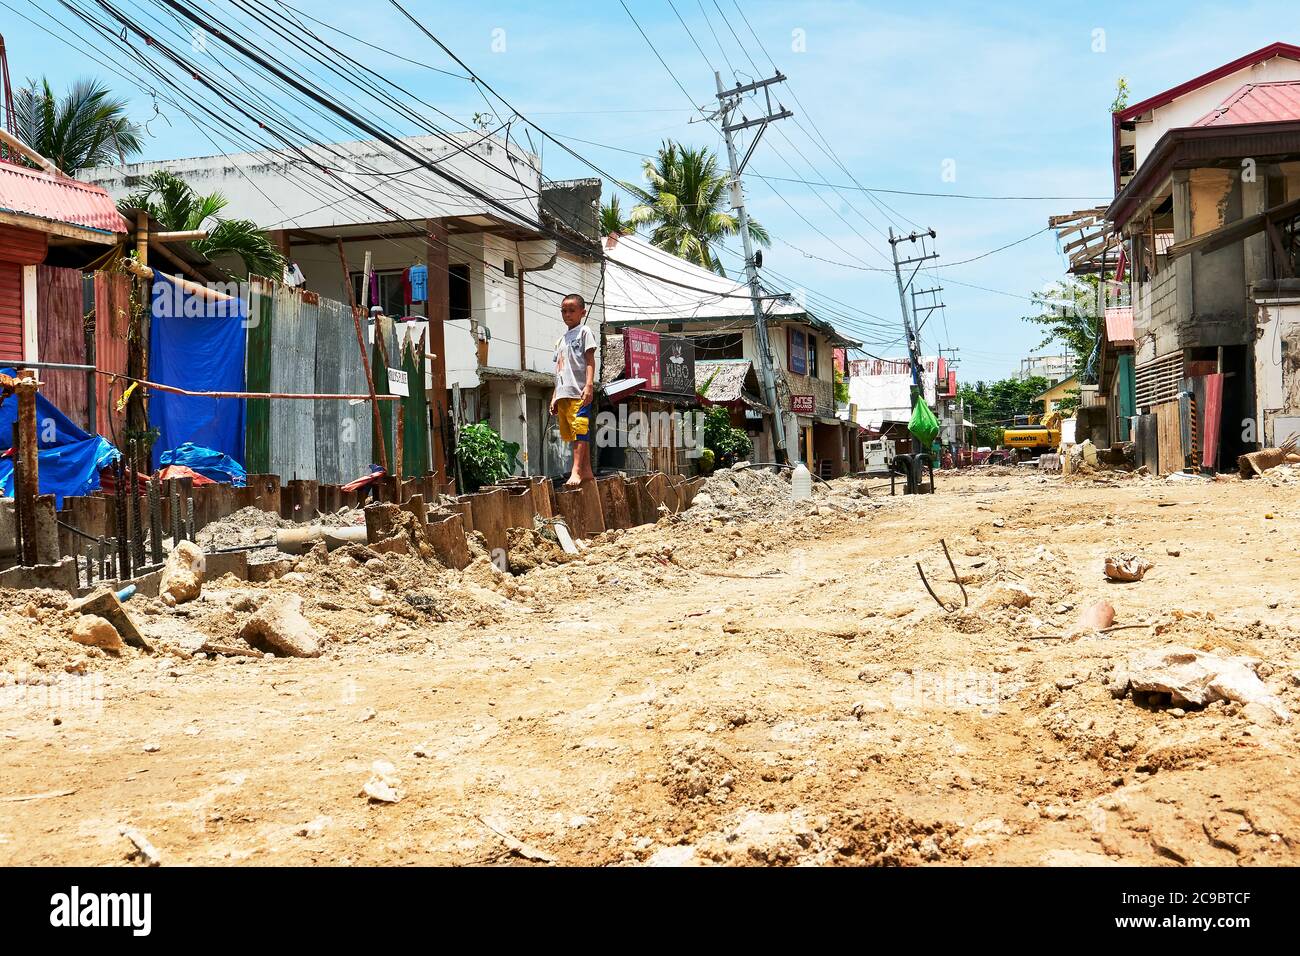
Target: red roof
[(1119, 325), (31, 192), (1257, 103), (1287, 50)]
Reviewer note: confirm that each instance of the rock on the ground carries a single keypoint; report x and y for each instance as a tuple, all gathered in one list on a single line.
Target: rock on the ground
[(280, 628), (1126, 567), (1008, 594), (182, 577), (93, 631), (1198, 678)]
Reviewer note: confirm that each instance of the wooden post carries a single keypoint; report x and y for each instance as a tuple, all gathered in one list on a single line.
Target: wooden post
[(137, 362), (28, 471), (437, 309), (380, 452)]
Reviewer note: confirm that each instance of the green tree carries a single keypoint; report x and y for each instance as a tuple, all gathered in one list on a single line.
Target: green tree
[(993, 405), (85, 127), (841, 388), (728, 444), (687, 202), (1069, 314), (175, 204), (612, 221)]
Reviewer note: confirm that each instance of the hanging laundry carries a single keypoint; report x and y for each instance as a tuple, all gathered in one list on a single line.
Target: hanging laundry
[(374, 288), (293, 276), (406, 285), (418, 276)]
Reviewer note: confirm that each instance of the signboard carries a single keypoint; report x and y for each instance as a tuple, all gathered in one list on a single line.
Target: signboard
[(803, 404), (798, 348), (878, 368), (676, 365), (397, 383), (641, 357)]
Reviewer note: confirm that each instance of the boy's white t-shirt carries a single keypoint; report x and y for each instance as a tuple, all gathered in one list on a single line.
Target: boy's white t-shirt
[(571, 361)]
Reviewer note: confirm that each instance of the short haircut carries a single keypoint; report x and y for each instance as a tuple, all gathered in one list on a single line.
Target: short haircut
[(582, 303)]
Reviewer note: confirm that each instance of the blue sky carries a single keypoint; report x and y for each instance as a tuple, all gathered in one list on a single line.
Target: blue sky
[(1010, 100)]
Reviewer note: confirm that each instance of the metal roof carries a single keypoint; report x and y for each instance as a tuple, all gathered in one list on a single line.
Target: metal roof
[(31, 192), (1119, 325), (1273, 102)]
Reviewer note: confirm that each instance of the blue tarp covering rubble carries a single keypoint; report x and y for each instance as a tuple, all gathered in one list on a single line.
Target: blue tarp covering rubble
[(69, 459)]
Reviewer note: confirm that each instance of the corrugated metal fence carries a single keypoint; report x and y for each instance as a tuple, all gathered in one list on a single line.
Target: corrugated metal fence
[(299, 342)]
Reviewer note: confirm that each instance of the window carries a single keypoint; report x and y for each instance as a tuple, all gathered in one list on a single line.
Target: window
[(459, 306), (391, 297), (509, 268), (812, 357), (797, 351)]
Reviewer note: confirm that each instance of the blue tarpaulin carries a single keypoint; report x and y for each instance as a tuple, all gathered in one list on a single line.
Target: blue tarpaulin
[(197, 344), (208, 463), (68, 459)]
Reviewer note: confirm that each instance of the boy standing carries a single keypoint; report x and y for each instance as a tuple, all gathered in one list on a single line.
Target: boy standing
[(575, 386)]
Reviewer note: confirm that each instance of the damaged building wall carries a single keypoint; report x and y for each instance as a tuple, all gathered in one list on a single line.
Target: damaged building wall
[(1277, 360)]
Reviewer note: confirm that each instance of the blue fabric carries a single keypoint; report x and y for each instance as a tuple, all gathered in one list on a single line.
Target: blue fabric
[(68, 459), (208, 463), (419, 279), (196, 344)]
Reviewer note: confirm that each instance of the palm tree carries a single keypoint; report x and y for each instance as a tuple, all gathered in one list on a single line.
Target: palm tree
[(86, 127), (612, 221), (175, 204), (686, 200)]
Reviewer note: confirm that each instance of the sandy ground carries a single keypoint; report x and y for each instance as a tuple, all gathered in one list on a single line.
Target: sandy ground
[(703, 692)]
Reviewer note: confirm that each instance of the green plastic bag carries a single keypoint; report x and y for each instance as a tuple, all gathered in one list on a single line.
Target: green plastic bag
[(923, 424)]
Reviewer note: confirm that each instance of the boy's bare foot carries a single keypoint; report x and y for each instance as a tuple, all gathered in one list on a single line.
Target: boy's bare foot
[(573, 482)]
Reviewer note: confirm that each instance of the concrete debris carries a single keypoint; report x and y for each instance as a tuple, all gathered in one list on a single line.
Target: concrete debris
[(1126, 567), (144, 850), (182, 577), (383, 782), (93, 631), (279, 627), (1197, 678)]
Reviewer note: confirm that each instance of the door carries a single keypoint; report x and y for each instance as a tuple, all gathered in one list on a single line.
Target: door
[(11, 312)]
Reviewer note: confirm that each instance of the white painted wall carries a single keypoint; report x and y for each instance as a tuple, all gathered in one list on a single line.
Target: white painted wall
[(1277, 391), (1189, 108)]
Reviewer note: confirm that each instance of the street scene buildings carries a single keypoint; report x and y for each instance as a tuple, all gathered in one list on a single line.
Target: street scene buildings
[(416, 454)]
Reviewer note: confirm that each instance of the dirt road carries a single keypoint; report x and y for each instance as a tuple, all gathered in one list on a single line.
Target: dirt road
[(711, 692)]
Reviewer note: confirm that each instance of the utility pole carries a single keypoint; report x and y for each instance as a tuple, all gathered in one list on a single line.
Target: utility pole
[(728, 101), (909, 325)]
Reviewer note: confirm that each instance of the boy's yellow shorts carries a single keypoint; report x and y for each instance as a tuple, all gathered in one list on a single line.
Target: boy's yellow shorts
[(575, 419)]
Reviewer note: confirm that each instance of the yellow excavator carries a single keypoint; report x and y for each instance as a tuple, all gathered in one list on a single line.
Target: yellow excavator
[(1032, 435)]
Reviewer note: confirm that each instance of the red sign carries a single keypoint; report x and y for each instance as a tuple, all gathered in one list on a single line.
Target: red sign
[(803, 404), (641, 357)]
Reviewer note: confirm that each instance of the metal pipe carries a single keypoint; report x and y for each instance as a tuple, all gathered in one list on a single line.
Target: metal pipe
[(122, 542), (189, 520), (90, 567), (25, 448)]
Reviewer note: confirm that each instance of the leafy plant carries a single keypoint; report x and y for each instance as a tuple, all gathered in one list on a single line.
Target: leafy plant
[(707, 460), (175, 204), (612, 221), (687, 202), (484, 458), (85, 127), (727, 443), (841, 389)]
